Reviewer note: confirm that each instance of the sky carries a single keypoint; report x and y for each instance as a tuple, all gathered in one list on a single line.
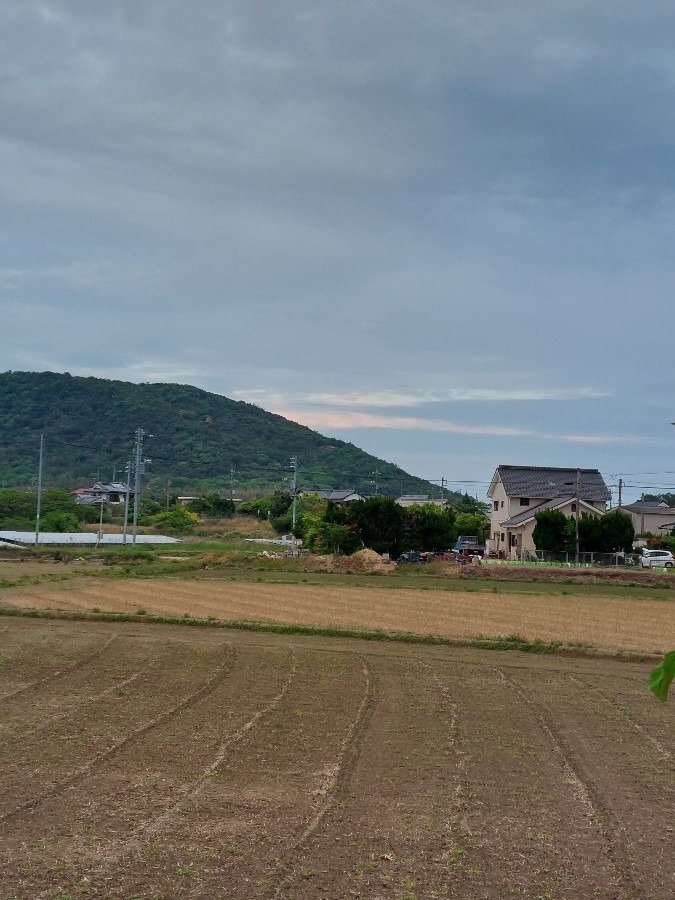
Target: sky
[(440, 229)]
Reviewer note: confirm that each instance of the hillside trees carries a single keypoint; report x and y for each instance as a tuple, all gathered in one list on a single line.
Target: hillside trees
[(198, 437)]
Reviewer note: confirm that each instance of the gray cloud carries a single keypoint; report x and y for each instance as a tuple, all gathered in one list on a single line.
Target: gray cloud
[(358, 200)]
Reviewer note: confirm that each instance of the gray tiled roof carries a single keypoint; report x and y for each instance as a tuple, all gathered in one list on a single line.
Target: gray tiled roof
[(337, 496), (540, 481), (547, 504), (649, 508)]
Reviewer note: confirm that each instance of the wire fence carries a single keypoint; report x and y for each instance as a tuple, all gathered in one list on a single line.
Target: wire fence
[(614, 560)]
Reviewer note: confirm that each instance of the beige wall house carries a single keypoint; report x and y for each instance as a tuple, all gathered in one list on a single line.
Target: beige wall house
[(650, 515), (518, 493)]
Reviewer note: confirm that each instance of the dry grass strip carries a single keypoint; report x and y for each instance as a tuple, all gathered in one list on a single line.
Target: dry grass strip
[(613, 623)]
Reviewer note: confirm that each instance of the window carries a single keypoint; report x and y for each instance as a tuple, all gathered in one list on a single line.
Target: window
[(496, 504), (502, 504), (574, 507), (502, 535), (524, 501)]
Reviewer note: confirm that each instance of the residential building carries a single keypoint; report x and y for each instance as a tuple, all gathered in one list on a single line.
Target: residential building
[(518, 493), (102, 492), (650, 516), (335, 496)]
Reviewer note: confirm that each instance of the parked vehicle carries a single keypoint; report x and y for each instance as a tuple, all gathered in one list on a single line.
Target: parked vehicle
[(652, 558), (469, 544), (415, 556)]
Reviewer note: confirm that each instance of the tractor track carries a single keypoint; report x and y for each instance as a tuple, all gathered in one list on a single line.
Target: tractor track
[(335, 782), (584, 790), (83, 771), (663, 752), (85, 660)]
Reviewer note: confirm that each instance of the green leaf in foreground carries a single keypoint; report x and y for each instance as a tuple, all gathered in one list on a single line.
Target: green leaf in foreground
[(662, 675)]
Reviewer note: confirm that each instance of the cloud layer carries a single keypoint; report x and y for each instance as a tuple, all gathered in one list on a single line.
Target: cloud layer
[(461, 210)]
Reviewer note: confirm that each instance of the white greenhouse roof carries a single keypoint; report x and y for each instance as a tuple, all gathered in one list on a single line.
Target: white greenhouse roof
[(79, 539)]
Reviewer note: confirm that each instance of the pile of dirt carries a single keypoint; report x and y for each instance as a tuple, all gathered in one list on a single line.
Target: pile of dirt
[(363, 561)]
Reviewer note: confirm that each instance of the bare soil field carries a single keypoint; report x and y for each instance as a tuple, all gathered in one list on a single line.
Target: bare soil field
[(614, 623), (151, 761)]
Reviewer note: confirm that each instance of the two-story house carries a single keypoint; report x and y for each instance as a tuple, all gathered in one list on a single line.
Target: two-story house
[(518, 493)]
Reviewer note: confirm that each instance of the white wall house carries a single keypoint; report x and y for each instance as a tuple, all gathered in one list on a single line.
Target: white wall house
[(518, 493)]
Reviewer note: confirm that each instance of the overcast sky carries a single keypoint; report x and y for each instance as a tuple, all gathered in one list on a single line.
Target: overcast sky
[(441, 229)]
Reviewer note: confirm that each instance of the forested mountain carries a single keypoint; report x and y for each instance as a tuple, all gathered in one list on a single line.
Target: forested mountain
[(198, 439)]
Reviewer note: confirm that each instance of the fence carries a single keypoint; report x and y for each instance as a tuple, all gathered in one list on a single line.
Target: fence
[(615, 560)]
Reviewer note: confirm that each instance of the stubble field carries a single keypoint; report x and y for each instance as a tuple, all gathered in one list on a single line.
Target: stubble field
[(160, 762)]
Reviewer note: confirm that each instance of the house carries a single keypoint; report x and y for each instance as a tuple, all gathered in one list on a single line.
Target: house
[(518, 493), (650, 516), (102, 492), (422, 499), (335, 496)]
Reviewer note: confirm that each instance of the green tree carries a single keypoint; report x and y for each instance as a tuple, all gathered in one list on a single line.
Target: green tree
[(59, 522), (472, 523), (379, 523), (590, 534), (428, 527), (332, 538), (617, 532), (178, 520), (553, 531), (469, 504), (212, 506)]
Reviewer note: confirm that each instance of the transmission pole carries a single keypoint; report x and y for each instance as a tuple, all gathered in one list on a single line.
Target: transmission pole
[(39, 494), (139, 468), (578, 504), (127, 469), (294, 494), (376, 473)]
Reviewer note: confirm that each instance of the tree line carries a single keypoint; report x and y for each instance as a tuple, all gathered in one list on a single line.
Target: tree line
[(379, 523)]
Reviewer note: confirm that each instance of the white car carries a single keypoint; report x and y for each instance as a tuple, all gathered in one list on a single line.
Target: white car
[(652, 558)]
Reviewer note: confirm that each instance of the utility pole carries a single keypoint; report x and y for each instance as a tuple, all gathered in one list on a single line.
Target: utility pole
[(294, 494), (577, 505), (233, 472), (139, 468), (100, 523), (443, 483), (642, 513), (39, 494), (376, 473), (126, 502), (620, 487)]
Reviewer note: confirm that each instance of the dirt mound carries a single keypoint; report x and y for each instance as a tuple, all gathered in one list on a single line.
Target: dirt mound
[(363, 561)]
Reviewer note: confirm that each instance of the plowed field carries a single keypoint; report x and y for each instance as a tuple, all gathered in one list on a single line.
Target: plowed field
[(162, 762)]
